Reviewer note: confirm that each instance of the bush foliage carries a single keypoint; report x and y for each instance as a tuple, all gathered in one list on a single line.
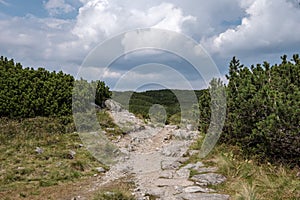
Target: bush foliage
[(263, 110), (28, 92)]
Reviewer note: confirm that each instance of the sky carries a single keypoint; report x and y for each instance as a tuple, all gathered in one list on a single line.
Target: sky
[(63, 34)]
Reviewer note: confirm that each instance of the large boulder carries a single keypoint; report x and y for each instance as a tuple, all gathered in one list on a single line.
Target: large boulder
[(113, 105)]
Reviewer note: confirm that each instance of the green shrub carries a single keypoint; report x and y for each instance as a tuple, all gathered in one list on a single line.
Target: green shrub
[(263, 110), (28, 92)]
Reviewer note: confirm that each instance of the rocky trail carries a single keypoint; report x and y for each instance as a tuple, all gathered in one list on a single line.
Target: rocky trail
[(154, 157)]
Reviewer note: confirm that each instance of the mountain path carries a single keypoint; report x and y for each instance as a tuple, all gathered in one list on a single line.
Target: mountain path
[(153, 157)]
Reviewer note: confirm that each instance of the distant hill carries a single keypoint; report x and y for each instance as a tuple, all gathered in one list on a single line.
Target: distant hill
[(139, 103)]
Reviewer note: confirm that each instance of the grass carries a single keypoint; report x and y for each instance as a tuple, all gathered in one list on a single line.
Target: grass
[(27, 172), (248, 179), (118, 190)]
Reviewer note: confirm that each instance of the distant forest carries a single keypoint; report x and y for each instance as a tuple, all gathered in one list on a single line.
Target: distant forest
[(140, 102)]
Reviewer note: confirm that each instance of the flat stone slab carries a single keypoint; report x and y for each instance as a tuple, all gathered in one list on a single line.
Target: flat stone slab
[(208, 179), (203, 196), (194, 166), (196, 189), (172, 182), (167, 174), (170, 165), (183, 173)]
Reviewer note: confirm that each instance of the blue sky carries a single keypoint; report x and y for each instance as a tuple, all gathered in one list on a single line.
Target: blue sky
[(37, 8), (60, 34), (22, 8)]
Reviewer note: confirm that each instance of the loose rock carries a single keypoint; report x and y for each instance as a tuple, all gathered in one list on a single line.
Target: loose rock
[(208, 179)]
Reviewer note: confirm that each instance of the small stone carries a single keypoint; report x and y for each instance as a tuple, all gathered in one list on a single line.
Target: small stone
[(100, 169), (39, 150), (20, 168), (193, 152), (71, 154), (80, 145)]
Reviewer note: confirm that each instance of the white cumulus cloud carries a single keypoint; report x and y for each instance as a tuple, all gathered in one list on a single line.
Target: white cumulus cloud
[(56, 7), (99, 19), (269, 26)]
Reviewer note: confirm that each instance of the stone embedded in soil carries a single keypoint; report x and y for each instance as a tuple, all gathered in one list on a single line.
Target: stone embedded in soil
[(172, 182), (100, 169), (170, 165), (195, 189), (208, 179), (194, 166), (168, 174), (203, 196), (183, 173)]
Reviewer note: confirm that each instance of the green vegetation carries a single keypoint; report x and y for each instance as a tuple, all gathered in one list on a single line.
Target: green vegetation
[(39, 146), (38, 152), (263, 110), (258, 151), (249, 179), (22, 165), (29, 93), (118, 190), (140, 103), (26, 92)]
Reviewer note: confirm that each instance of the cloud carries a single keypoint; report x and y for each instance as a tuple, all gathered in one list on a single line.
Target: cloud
[(268, 27), (39, 42), (100, 19), (57, 7), (249, 29)]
